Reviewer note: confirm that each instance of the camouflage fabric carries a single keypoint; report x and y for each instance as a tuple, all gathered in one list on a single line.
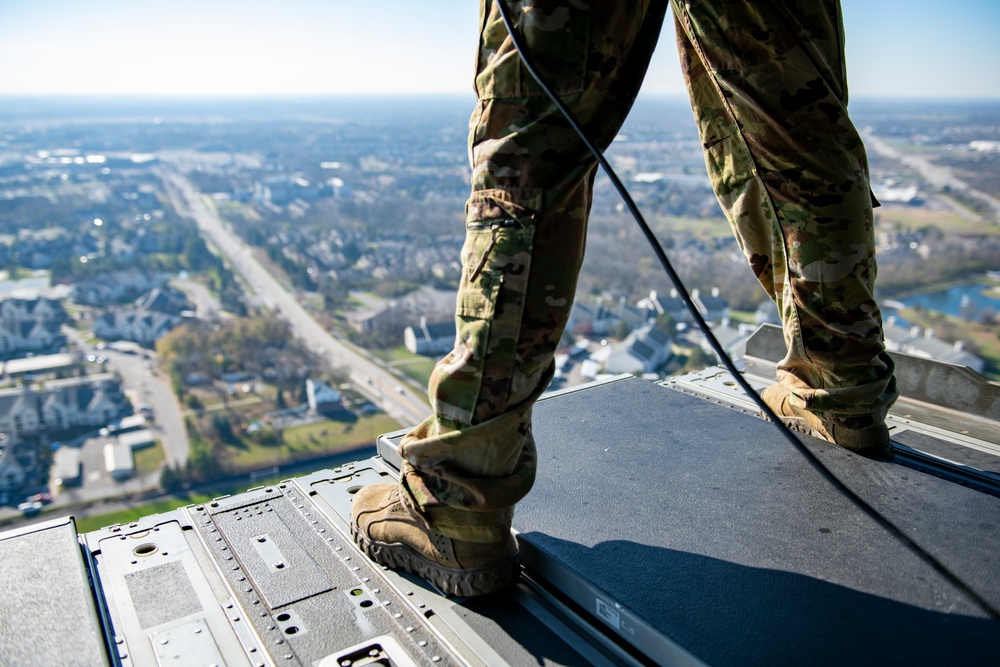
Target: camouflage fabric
[(768, 87), (785, 162)]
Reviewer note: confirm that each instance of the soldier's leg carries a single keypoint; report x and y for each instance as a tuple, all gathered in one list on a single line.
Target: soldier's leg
[(467, 464), (768, 87)]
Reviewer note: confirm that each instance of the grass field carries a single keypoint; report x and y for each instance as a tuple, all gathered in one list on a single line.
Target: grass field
[(149, 459), (947, 221), (414, 366), (325, 437)]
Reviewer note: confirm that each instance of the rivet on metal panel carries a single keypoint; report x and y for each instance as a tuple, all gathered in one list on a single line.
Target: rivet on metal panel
[(197, 631), (214, 503), (134, 561), (386, 603), (376, 590), (200, 508), (119, 641), (164, 553), (278, 564), (364, 579), (337, 548), (397, 615), (409, 592), (269, 490), (122, 656), (252, 649), (409, 628), (436, 658), (347, 558), (281, 486), (355, 568), (288, 656), (261, 538), (422, 643), (164, 641), (279, 641)]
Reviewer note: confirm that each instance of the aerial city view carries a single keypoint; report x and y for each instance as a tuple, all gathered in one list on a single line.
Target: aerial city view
[(221, 290), (236, 239)]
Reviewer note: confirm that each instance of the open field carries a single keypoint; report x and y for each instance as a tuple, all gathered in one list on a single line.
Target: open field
[(308, 440), (947, 221), (415, 366)]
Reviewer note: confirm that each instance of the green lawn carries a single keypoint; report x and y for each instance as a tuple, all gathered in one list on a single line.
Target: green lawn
[(947, 221), (414, 366), (148, 459), (326, 437)]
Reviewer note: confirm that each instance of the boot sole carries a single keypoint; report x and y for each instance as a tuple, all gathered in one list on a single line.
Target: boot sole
[(882, 451), (463, 582)]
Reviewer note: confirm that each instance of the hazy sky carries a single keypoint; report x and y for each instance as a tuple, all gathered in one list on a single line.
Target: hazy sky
[(916, 48)]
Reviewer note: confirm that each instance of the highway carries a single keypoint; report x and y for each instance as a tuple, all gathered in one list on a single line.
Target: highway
[(370, 378)]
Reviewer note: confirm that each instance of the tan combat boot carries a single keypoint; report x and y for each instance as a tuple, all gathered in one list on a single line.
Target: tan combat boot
[(388, 528), (864, 434)]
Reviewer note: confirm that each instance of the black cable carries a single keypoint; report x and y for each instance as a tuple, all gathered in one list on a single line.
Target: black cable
[(719, 351)]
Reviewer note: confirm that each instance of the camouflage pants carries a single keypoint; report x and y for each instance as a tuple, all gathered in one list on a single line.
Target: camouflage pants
[(768, 90)]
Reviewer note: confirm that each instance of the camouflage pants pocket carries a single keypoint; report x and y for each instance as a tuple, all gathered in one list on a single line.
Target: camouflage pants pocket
[(496, 260)]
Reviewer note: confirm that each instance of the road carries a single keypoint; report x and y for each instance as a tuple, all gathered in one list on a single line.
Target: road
[(370, 378), (139, 378), (937, 176)]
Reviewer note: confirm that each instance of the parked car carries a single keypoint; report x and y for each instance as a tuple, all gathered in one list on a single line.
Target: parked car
[(30, 508)]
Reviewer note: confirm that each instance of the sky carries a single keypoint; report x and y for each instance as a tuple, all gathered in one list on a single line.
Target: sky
[(919, 48)]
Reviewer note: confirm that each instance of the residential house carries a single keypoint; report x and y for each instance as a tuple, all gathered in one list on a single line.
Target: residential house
[(430, 338), (20, 416), (670, 304), (30, 325), (645, 350), (12, 474), (922, 343), (379, 319), (712, 306), (89, 401), (144, 328), (164, 299), (323, 399), (601, 319), (733, 339), (116, 287)]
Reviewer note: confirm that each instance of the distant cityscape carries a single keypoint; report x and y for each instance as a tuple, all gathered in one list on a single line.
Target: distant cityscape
[(140, 348)]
